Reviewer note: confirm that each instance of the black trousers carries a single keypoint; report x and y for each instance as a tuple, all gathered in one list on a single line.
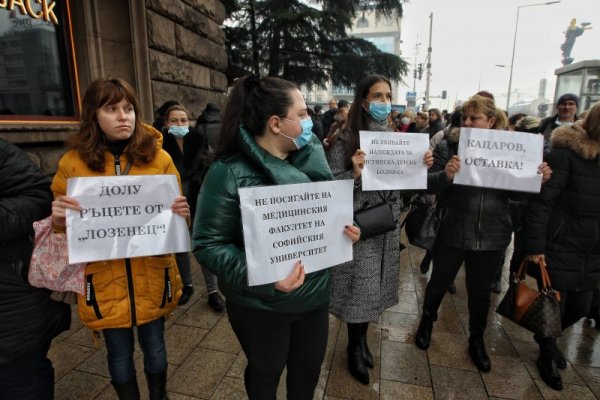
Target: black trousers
[(30, 377), (481, 268), (272, 341)]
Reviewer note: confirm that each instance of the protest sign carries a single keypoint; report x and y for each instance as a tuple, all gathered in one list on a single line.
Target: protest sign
[(124, 216), (500, 159), (287, 223), (394, 160)]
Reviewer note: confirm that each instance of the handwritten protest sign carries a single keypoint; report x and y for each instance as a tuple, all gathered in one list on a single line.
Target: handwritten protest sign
[(124, 216), (500, 159), (287, 223), (394, 160)]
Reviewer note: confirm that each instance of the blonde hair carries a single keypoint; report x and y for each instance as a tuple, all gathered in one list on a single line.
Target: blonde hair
[(410, 114), (488, 108)]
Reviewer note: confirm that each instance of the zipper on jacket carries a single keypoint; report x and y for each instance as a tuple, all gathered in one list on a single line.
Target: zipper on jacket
[(479, 220), (90, 296), (131, 292)]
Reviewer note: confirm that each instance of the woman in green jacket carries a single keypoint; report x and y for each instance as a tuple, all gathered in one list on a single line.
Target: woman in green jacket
[(266, 139)]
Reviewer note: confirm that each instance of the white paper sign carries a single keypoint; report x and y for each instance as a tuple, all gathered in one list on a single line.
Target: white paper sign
[(500, 159), (287, 223), (394, 160), (124, 216)]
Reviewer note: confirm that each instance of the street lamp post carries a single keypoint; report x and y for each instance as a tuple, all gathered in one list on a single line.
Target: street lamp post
[(512, 61)]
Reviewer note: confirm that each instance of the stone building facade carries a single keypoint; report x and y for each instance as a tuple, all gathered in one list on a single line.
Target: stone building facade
[(167, 49)]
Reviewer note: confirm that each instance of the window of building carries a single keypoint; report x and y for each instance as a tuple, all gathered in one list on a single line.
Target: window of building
[(37, 66)]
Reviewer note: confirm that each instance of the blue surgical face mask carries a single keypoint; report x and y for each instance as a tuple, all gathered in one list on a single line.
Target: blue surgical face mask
[(305, 135), (379, 110), (179, 131)]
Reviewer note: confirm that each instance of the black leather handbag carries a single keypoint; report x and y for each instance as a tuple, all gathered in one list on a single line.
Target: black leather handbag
[(375, 220), (424, 226)]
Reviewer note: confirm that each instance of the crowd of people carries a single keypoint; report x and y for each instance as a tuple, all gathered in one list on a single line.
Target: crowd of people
[(267, 135)]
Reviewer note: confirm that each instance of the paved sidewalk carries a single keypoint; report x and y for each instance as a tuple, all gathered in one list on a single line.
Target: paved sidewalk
[(205, 361)]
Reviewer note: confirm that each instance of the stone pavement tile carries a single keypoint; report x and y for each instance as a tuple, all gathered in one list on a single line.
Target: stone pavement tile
[(181, 341), (201, 373), (591, 376), (514, 331), (398, 327), (448, 319), (238, 366), (222, 338), (334, 328), (407, 303), (177, 396), (454, 383), (498, 343), (82, 337), (404, 362), (200, 316), (449, 350), (341, 384), (332, 398), (80, 385), (509, 379), (229, 389), (66, 356), (96, 364), (391, 390), (581, 350), (321, 385), (575, 392)]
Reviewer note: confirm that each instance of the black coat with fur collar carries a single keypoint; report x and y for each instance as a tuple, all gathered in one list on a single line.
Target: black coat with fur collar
[(563, 222)]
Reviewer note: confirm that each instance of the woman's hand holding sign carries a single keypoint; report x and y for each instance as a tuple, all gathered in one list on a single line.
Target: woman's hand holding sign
[(358, 163), (452, 167), (428, 158), (546, 171), (181, 207), (293, 280), (59, 209), (353, 232)]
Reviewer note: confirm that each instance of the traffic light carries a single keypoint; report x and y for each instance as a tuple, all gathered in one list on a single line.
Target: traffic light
[(444, 94), (420, 68), (415, 74)]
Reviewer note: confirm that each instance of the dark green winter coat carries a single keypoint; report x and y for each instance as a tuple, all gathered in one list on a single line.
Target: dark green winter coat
[(218, 240), (563, 222)]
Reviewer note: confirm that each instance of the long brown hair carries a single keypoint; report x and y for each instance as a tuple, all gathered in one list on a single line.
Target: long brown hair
[(90, 141), (358, 117)]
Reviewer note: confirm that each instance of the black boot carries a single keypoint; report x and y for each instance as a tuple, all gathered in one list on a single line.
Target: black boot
[(549, 373), (128, 390), (366, 353), (157, 385), (423, 336), (552, 349), (356, 362), (479, 355)]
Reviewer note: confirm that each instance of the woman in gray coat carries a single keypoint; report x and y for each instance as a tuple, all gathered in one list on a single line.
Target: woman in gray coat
[(364, 287)]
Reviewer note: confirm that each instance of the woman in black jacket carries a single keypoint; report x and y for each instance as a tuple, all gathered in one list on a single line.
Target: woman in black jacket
[(562, 228), (29, 319), (476, 229)]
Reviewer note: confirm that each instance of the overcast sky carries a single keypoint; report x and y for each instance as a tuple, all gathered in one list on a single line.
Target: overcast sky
[(471, 36)]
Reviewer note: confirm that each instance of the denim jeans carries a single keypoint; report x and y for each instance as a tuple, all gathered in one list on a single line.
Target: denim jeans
[(29, 377), (120, 347)]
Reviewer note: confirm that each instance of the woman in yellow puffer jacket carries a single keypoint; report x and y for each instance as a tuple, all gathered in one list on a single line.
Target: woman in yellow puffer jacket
[(132, 292)]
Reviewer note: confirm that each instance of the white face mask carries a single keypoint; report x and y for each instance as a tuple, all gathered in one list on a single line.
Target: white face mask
[(405, 120)]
